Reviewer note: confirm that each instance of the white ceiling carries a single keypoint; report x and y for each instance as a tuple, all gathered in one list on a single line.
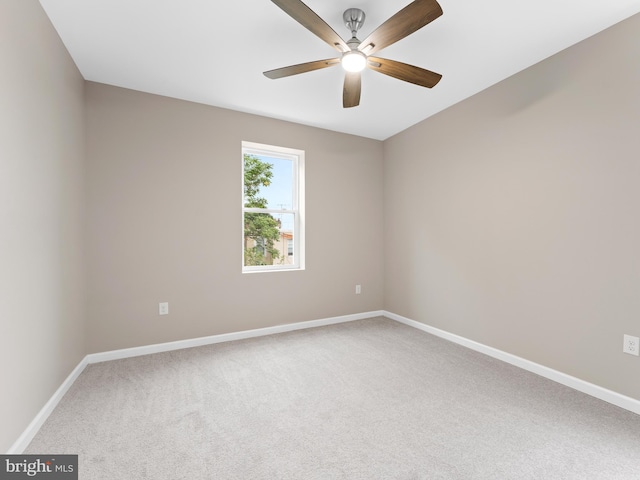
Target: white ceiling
[(214, 52)]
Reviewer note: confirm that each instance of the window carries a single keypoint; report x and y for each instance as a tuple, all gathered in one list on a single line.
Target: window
[(272, 208)]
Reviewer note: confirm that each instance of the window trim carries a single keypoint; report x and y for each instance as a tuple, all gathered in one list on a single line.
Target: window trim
[(298, 159)]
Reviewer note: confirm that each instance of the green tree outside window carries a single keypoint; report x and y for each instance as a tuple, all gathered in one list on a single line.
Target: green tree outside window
[(261, 230)]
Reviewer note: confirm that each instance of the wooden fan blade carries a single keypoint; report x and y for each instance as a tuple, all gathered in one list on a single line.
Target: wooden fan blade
[(351, 90), (301, 68), (310, 20), (404, 71), (411, 18)]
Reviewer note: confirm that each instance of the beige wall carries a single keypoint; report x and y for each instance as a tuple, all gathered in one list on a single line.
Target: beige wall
[(164, 222), (512, 218), (41, 202)]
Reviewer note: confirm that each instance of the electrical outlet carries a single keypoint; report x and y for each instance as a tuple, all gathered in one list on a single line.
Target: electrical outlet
[(163, 308), (358, 289), (631, 345)]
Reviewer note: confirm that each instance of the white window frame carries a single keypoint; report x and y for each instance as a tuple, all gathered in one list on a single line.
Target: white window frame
[(297, 209)]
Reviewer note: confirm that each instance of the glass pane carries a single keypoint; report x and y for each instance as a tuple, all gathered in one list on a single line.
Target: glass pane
[(268, 239), (285, 245), (268, 182)]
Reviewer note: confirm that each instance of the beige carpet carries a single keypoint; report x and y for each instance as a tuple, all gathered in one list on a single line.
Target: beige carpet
[(372, 399)]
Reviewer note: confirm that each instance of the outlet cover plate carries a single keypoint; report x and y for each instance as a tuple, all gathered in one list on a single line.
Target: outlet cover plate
[(631, 345)]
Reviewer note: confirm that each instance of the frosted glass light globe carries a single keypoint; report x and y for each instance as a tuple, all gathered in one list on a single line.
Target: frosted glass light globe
[(354, 61)]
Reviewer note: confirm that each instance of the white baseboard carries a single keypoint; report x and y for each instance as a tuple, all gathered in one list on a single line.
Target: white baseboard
[(30, 432), (596, 391), (225, 337)]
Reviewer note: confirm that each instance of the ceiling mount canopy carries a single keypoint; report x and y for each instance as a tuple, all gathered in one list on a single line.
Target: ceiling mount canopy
[(356, 55), (353, 19)]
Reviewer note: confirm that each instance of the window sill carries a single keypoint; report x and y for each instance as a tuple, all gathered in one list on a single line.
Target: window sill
[(273, 270)]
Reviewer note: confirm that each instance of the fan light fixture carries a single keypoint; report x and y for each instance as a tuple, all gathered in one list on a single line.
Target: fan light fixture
[(354, 61)]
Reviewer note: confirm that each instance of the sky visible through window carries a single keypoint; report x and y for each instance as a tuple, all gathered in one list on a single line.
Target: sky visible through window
[(279, 194)]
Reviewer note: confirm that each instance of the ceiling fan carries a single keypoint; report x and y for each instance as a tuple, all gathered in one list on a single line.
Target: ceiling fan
[(356, 54)]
